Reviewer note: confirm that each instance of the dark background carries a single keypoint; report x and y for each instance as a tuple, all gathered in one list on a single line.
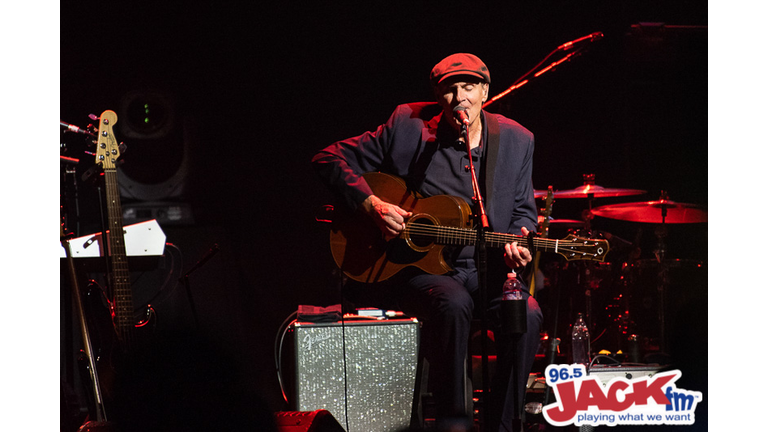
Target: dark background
[(256, 89)]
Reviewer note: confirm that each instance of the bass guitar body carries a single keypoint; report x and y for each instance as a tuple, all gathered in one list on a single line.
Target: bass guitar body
[(113, 359)]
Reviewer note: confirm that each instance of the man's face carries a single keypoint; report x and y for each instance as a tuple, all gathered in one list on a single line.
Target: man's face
[(463, 90)]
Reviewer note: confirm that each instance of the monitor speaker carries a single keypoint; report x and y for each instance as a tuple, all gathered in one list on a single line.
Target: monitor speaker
[(306, 421), (363, 372)]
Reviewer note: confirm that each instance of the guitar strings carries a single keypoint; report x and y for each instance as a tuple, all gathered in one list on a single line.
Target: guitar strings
[(123, 312), (455, 235)]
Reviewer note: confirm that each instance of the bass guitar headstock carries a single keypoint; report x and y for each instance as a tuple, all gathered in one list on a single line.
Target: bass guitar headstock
[(107, 147)]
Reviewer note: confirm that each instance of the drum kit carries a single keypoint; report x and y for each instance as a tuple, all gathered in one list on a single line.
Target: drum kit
[(654, 274)]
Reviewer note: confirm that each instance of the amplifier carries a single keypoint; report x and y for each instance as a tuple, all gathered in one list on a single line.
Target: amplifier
[(363, 372)]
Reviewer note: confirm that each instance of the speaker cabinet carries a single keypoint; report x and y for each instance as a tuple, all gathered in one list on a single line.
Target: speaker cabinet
[(363, 372)]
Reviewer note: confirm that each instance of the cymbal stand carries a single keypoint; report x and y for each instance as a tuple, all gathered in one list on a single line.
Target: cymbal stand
[(663, 276), (585, 274), (586, 231)]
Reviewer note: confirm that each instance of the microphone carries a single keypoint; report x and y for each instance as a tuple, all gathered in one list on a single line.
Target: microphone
[(591, 37), (460, 114), (75, 129)]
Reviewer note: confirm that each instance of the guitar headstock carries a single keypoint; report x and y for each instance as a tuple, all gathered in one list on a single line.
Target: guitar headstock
[(547, 212), (575, 248), (107, 147)]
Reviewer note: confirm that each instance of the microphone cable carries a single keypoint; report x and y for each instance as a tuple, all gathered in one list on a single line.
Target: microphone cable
[(344, 347)]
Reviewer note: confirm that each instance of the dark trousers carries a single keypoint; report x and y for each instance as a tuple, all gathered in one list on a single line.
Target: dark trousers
[(445, 306)]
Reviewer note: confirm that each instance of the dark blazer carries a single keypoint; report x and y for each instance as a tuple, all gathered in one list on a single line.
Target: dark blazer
[(403, 146)]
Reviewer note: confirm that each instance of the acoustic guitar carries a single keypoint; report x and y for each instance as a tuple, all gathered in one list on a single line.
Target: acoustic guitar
[(363, 254)]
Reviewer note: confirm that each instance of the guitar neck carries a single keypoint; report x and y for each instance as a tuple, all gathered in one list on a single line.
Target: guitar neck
[(123, 300), (536, 244), (571, 248), (468, 237)]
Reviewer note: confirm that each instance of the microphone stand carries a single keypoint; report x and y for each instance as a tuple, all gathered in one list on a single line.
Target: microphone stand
[(185, 280), (481, 222)]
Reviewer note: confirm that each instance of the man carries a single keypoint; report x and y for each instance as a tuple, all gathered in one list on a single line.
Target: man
[(423, 144)]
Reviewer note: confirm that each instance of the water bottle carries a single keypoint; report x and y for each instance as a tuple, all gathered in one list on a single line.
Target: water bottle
[(513, 311), (580, 341), (513, 289)]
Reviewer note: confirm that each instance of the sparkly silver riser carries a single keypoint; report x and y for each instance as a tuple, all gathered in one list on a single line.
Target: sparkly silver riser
[(381, 365)]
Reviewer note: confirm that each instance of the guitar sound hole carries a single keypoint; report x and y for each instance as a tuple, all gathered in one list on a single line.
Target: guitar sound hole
[(422, 232)]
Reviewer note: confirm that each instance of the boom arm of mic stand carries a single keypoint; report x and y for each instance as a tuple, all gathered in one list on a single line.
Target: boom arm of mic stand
[(556, 64), (522, 81)]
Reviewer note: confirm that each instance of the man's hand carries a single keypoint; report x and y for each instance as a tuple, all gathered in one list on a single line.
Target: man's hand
[(517, 256), (388, 217)]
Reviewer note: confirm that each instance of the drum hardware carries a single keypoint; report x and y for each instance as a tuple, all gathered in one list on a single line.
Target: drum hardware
[(661, 212), (584, 273), (590, 191)]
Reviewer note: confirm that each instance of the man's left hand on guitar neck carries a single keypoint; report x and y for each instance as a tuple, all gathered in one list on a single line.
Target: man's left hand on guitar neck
[(517, 256)]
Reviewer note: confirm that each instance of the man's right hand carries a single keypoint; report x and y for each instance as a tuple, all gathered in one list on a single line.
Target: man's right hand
[(388, 217)]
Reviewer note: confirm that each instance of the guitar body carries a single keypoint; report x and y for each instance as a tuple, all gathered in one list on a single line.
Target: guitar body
[(361, 251)]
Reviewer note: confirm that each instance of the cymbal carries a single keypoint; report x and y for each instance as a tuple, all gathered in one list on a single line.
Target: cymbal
[(592, 190), (565, 222), (661, 211), (561, 223)]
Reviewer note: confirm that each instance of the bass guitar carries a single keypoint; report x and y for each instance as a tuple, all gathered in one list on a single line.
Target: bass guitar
[(116, 329), (363, 254)]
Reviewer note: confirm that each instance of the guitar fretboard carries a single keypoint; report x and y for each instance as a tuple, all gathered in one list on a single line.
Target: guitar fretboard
[(448, 235), (123, 300)]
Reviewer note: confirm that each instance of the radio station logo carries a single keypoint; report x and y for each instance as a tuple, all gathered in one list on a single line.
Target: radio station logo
[(648, 400)]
